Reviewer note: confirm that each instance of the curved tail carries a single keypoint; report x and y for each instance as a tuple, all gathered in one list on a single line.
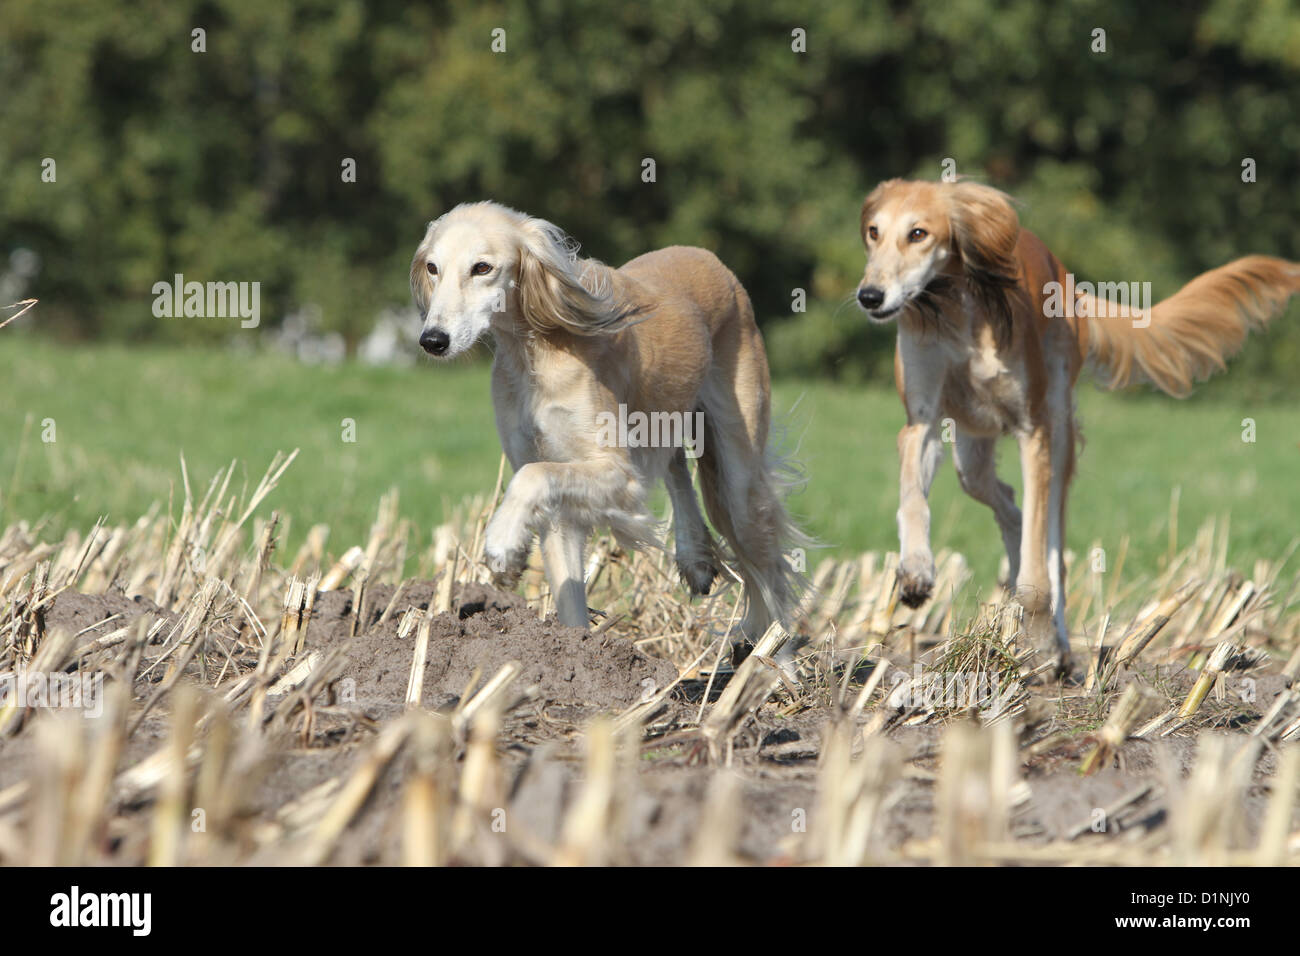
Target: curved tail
[(1190, 335)]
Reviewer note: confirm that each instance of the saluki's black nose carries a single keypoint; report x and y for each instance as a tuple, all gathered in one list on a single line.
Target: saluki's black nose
[(871, 296), (434, 341)]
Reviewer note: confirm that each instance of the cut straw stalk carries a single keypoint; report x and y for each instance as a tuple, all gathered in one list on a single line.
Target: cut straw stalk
[(751, 685), (1272, 846), (492, 697), (1136, 642), (643, 710), (218, 787), (415, 682), (56, 775), (312, 550), (1166, 722), (262, 559), (720, 824), (169, 815), (295, 677), (1098, 660), (1232, 609), (1273, 724), (92, 802), (482, 789), (973, 802), (851, 795), (1205, 818), (352, 559), (443, 600), (359, 597), (1219, 657), (1292, 669), (320, 844), (872, 682), (585, 836), (426, 801), (1144, 630), (300, 602), (1123, 716), (23, 306), (1110, 813)]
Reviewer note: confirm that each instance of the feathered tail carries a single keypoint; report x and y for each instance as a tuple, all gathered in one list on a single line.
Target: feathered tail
[(1190, 335)]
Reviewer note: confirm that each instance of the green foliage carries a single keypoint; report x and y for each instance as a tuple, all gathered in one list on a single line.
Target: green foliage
[(226, 165)]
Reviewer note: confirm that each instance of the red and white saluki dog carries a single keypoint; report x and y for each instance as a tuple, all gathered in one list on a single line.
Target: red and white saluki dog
[(991, 336)]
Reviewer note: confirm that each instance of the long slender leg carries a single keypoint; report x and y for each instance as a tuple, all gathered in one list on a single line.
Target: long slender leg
[(920, 370), (1063, 437), (1034, 585), (975, 459), (694, 548), (562, 546), (744, 507), (920, 452)]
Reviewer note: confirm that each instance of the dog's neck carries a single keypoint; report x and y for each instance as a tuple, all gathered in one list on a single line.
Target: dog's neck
[(942, 310), (520, 350), (514, 342), (953, 309)]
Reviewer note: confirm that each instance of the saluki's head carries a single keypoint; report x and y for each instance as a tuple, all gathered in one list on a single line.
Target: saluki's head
[(922, 237), (483, 266)]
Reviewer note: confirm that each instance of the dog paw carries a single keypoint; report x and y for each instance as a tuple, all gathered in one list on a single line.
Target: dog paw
[(1050, 646), (506, 566), (915, 581), (698, 575), (740, 649), (505, 549)]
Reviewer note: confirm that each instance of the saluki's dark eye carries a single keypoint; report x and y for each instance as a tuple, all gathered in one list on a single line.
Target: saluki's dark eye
[(480, 269), (916, 235), (872, 233), (433, 270)]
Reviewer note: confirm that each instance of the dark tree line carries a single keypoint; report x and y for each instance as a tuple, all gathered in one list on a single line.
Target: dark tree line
[(766, 124)]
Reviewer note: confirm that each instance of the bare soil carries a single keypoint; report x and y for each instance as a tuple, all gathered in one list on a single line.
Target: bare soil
[(571, 676)]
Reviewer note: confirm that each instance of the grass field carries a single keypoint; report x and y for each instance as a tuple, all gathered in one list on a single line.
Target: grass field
[(396, 708), (122, 416)]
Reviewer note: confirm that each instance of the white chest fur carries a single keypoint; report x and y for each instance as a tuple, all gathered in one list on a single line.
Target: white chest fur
[(995, 389)]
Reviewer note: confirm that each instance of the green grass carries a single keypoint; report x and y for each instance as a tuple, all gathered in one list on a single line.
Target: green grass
[(123, 415)]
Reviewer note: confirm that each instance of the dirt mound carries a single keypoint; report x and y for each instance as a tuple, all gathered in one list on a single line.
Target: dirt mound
[(98, 614), (488, 629)]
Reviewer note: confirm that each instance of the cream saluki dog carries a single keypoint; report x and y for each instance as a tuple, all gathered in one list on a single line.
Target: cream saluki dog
[(579, 345), (988, 338)]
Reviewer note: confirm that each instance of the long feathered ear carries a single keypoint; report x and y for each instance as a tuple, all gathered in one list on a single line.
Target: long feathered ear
[(985, 230), (872, 203), (555, 291), (421, 286)]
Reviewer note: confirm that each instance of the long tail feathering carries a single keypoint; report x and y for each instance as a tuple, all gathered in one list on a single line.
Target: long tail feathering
[(1193, 332), (781, 589)]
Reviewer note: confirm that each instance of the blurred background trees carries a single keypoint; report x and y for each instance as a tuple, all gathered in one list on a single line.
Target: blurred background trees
[(228, 164)]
